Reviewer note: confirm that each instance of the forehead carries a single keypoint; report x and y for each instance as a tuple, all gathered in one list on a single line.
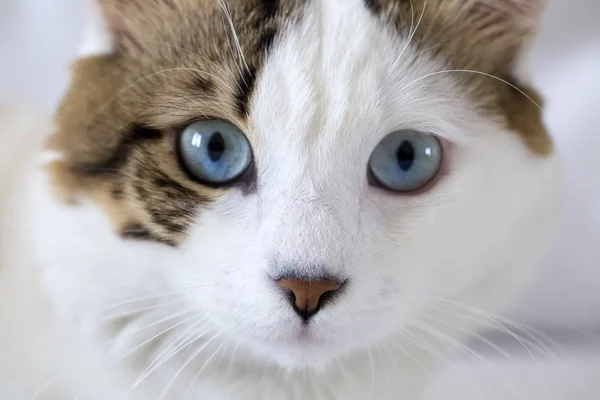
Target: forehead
[(303, 65), (339, 71)]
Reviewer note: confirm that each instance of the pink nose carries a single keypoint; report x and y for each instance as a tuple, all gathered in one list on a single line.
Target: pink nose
[(308, 296)]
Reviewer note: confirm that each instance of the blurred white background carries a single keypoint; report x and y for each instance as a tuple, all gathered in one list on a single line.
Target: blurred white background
[(39, 38)]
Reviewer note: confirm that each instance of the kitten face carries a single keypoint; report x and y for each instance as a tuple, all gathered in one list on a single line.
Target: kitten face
[(314, 87)]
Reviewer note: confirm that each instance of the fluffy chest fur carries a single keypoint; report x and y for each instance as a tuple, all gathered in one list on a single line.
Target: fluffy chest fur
[(163, 281)]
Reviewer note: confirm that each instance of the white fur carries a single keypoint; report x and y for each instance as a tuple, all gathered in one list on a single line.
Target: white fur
[(332, 88)]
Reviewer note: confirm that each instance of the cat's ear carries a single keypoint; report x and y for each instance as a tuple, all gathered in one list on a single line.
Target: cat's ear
[(126, 21), (503, 28), (512, 18), (114, 13)]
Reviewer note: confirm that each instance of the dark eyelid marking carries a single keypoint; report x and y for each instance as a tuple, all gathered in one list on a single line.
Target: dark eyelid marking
[(246, 84), (138, 231)]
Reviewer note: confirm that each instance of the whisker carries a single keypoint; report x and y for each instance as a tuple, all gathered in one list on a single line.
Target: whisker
[(396, 366), (186, 364), (556, 321), (478, 312), (43, 387), (498, 323), (156, 364), (136, 311), (441, 357), (231, 357), (45, 375), (476, 356), (151, 297), (417, 56), (410, 38), (195, 54), (539, 344), (410, 356), (544, 317), (155, 323), (451, 343), (236, 39), (197, 375), (54, 376), (120, 358), (524, 334), (481, 338), (472, 72), (372, 369)]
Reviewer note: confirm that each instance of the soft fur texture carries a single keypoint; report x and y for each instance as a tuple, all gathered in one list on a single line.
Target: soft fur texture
[(159, 287)]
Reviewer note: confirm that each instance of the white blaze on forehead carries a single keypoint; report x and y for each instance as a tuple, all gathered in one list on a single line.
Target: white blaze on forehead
[(306, 116)]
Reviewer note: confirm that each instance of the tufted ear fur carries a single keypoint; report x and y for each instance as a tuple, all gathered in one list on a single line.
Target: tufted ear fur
[(487, 35), (125, 19), (496, 38), (501, 30)]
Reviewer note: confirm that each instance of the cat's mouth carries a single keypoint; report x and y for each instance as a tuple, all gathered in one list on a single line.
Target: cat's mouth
[(303, 350), (299, 345)]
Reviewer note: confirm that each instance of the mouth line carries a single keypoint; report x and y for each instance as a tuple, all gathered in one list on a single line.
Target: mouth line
[(302, 336)]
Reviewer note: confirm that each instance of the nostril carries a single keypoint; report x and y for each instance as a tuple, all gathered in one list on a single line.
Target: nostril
[(307, 297), (326, 298), (291, 297)]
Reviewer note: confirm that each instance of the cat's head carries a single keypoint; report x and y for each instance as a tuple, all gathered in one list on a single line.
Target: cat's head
[(309, 177)]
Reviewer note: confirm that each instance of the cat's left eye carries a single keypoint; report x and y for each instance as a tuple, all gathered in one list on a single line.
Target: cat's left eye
[(215, 152), (406, 161)]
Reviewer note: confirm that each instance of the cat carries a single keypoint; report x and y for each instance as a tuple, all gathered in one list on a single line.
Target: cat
[(263, 199)]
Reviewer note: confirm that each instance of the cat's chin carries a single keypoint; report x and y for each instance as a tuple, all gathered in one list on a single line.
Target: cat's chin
[(299, 354), (304, 349)]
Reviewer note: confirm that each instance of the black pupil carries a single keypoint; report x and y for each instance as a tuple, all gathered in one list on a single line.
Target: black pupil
[(405, 155), (216, 147)]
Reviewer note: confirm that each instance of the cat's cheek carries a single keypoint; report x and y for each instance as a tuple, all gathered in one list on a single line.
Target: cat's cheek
[(221, 261), (84, 265)]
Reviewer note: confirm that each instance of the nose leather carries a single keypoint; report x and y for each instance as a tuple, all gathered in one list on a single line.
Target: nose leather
[(307, 294)]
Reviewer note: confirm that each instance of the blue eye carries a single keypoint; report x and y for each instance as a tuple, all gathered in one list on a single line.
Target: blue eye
[(215, 152), (406, 160)]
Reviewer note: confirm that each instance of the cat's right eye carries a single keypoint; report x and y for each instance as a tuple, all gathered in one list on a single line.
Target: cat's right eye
[(215, 152)]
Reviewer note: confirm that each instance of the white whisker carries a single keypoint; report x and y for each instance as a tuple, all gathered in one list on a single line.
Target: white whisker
[(186, 364), (442, 358), (498, 323), (233, 353), (120, 358), (372, 369), (410, 38), (136, 311), (397, 369), (150, 297), (454, 343), (451, 342), (208, 360), (43, 387), (410, 356), (471, 72), (190, 336), (235, 35)]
